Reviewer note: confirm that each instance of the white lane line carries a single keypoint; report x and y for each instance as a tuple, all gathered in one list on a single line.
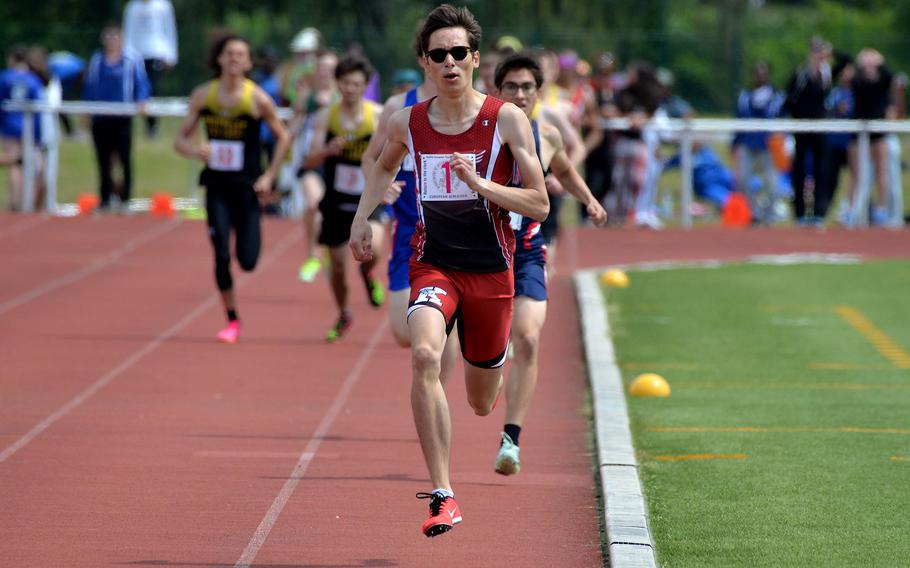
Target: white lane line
[(97, 265), (88, 392), (309, 453), (22, 225)]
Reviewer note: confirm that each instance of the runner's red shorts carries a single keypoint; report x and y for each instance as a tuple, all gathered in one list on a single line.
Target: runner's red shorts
[(481, 303)]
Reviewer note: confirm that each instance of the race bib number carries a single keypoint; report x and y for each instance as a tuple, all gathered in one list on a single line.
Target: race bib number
[(439, 182), (226, 156), (515, 220), (349, 179)]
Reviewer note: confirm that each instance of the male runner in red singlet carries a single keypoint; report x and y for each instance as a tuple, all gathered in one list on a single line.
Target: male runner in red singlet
[(465, 146)]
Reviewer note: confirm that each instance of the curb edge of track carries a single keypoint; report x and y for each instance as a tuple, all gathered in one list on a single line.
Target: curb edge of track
[(629, 537)]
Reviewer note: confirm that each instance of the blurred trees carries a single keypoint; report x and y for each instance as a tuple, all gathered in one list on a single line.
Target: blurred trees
[(708, 44)]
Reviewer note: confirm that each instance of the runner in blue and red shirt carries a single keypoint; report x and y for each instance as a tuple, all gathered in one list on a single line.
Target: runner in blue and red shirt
[(518, 79), (464, 145)]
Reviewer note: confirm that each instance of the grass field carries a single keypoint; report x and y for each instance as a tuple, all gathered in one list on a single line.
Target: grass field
[(156, 167), (786, 441)]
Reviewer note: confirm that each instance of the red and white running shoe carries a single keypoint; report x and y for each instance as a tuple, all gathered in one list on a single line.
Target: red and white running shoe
[(444, 514)]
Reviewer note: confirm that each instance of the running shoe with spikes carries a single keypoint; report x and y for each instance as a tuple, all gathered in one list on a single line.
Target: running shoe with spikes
[(309, 269), (341, 327), (375, 291), (444, 514), (507, 462)]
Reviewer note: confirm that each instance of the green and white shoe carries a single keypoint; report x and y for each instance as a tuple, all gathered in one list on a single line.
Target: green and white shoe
[(309, 270), (507, 462)]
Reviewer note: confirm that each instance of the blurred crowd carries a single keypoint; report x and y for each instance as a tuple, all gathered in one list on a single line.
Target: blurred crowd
[(781, 177)]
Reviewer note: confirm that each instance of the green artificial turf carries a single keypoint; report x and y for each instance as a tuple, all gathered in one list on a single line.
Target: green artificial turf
[(826, 477), (156, 166)]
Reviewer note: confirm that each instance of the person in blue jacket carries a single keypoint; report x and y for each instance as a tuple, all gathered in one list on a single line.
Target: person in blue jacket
[(17, 83), (115, 75)]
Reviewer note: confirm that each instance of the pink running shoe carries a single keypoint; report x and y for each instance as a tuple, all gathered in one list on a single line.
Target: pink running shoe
[(230, 334)]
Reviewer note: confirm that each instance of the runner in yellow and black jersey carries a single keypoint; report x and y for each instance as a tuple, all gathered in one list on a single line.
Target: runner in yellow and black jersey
[(232, 108), (341, 134)]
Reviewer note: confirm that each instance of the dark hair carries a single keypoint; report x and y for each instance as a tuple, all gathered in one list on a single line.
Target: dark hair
[(18, 53), (517, 62), (448, 16), (351, 64), (218, 48)]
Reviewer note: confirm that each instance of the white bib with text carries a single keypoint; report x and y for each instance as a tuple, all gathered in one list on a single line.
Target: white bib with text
[(439, 183), (349, 179), (226, 156)]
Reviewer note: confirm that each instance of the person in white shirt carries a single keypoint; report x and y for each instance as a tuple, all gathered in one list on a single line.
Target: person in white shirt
[(150, 30)]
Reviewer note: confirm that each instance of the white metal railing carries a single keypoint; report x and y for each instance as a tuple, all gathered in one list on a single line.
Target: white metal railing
[(155, 107), (686, 131)]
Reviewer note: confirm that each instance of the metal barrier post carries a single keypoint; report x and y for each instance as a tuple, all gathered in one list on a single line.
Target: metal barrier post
[(28, 161), (859, 209), (685, 168), (52, 157), (895, 185)]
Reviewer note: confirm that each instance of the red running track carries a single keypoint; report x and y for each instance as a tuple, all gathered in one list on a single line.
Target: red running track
[(128, 437)]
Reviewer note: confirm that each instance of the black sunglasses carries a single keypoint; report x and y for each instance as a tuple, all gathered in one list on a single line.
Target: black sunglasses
[(458, 52)]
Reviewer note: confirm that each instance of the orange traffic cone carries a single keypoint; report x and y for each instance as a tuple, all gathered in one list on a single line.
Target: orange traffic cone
[(162, 205), (736, 212), (87, 203)]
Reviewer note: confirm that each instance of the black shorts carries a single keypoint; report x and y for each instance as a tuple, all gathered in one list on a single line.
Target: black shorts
[(336, 222)]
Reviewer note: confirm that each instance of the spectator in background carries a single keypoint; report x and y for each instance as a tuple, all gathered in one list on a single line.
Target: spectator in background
[(17, 83), (637, 101), (68, 68), (806, 92), (895, 168), (751, 148), (295, 76), (115, 76), (599, 141), (711, 180), (837, 144), (871, 87), (150, 30), (672, 104), (46, 172)]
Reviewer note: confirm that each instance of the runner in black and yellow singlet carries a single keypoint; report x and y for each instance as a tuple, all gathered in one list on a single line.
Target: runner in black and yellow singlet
[(341, 134), (232, 109)]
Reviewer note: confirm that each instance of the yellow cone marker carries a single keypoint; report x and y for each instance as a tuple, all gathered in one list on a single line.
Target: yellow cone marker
[(649, 384), (614, 277)]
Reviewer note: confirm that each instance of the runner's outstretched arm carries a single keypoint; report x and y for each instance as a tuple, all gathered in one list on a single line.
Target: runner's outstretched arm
[(183, 143), (571, 181)]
